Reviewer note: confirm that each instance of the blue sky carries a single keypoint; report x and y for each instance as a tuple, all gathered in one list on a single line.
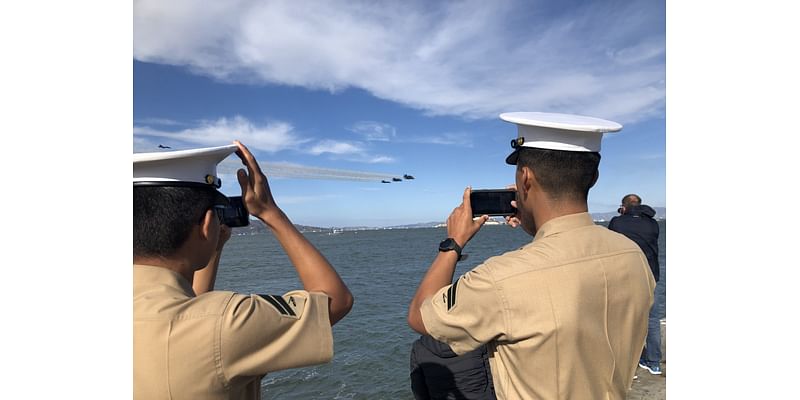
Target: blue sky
[(392, 89)]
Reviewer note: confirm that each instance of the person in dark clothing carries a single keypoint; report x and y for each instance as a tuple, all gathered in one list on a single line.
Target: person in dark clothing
[(438, 373), (636, 222)]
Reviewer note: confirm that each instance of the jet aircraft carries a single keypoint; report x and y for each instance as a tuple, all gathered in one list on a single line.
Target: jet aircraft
[(407, 176)]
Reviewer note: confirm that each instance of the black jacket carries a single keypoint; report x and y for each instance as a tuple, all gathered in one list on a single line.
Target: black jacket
[(638, 225), (438, 373)]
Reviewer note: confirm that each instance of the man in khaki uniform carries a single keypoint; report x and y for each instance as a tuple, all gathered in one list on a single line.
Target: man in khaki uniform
[(190, 342), (565, 317)]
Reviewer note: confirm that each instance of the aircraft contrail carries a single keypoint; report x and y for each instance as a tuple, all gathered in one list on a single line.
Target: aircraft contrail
[(289, 170)]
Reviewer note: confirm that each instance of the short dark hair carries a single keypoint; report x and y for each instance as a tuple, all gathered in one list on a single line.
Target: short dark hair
[(631, 200), (163, 217), (564, 175)]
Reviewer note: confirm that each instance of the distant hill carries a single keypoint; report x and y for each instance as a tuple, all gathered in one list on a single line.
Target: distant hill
[(257, 227), (661, 213), (418, 225)]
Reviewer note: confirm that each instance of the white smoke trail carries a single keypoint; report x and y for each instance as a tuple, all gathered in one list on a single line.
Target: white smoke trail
[(296, 171)]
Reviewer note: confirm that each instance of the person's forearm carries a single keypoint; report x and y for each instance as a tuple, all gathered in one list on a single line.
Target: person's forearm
[(315, 272), (439, 275), (460, 227)]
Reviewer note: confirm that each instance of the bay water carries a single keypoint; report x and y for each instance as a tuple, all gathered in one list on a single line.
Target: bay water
[(382, 268)]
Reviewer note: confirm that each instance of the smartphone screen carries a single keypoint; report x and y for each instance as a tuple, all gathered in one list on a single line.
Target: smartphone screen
[(235, 214), (492, 202)]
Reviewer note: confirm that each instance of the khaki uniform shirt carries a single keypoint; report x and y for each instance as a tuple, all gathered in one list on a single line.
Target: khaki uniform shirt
[(220, 344), (565, 316)]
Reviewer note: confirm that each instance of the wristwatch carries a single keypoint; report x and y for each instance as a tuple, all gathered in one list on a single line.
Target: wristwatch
[(450, 244)]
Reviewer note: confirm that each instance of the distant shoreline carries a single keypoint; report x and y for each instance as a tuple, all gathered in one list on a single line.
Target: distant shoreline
[(258, 227)]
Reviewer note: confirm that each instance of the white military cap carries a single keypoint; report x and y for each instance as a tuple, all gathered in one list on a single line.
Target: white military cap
[(565, 132), (194, 167)]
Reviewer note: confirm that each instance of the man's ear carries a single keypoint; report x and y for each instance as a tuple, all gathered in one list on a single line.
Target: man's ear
[(208, 224), (596, 177), (523, 182), (528, 179)]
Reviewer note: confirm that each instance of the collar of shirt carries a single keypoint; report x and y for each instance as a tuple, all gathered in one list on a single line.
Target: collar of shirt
[(563, 224), (147, 275)]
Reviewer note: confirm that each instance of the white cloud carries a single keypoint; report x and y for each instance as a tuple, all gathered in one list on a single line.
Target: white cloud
[(379, 159), (474, 59), (374, 131), (351, 151), (158, 121), (272, 137), (335, 147), (382, 132), (447, 138)]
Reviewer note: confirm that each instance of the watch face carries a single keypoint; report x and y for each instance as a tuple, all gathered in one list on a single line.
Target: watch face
[(447, 244)]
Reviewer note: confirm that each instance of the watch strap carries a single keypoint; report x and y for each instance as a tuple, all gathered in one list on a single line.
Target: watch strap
[(457, 248), (453, 246)]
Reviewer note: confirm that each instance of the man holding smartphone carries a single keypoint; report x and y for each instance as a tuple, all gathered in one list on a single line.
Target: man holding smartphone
[(204, 344), (565, 316), (636, 223)]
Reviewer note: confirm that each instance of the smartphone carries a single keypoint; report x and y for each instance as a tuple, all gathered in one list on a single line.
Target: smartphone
[(492, 202), (235, 213)]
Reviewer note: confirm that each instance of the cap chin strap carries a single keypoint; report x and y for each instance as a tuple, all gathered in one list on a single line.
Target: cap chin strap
[(520, 142)]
